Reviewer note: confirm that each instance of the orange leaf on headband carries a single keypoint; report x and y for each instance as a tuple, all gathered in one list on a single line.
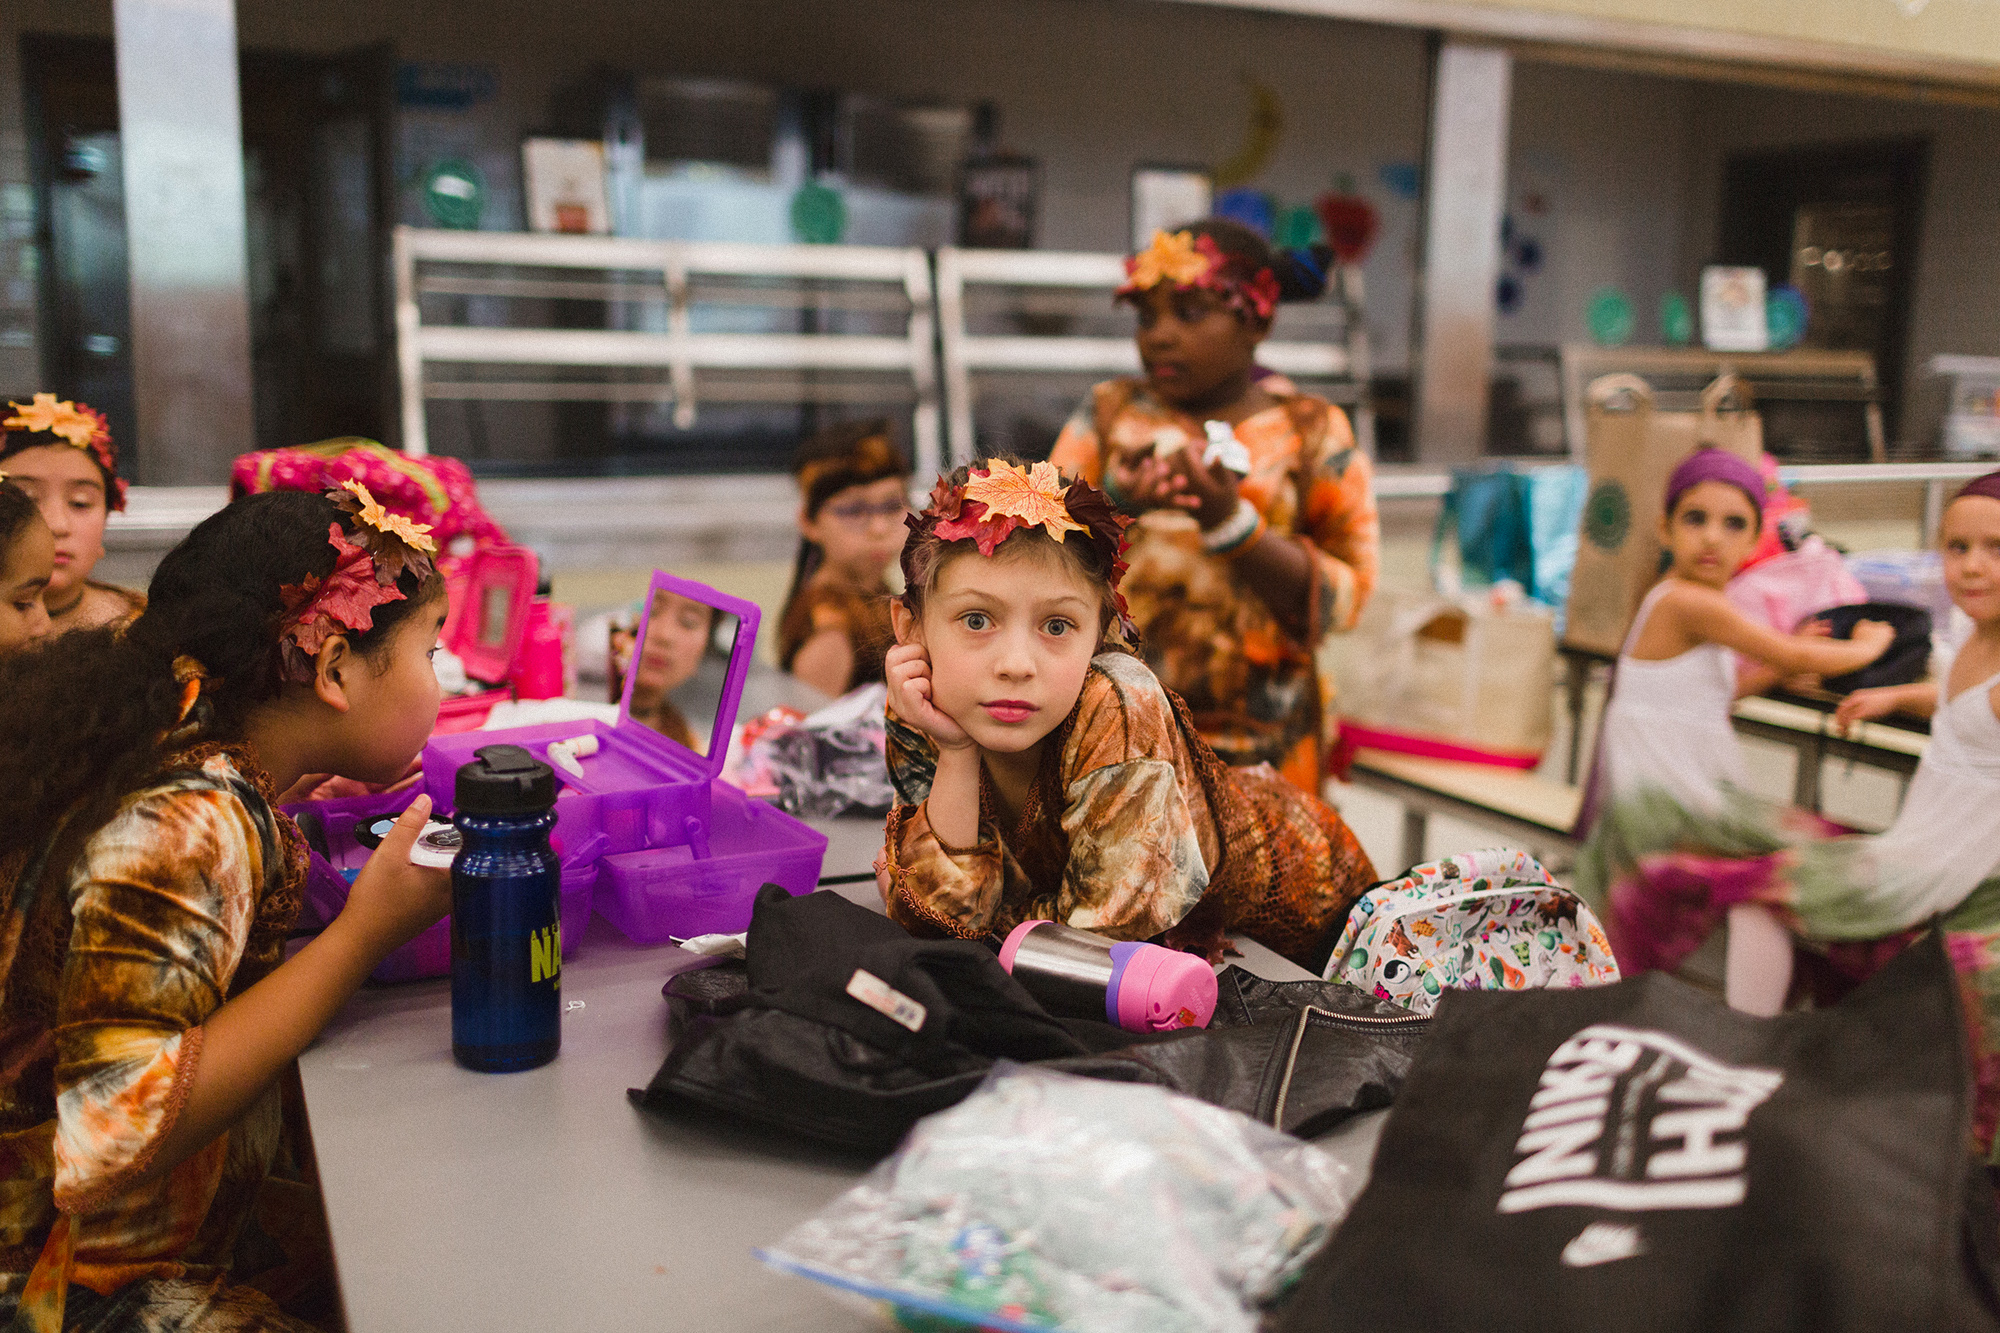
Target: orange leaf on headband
[(1173, 258), (44, 412), (1034, 497), (375, 516)]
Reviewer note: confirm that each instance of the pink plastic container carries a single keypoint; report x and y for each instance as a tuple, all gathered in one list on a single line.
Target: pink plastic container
[(646, 832), (708, 884)]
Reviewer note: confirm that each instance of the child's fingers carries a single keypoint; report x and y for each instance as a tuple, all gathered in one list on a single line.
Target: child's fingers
[(408, 826)]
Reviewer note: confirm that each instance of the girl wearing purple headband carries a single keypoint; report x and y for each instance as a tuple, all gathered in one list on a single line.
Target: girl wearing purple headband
[(1850, 903), (1667, 726)]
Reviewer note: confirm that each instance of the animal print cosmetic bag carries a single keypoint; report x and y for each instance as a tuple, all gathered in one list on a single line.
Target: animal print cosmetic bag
[(1488, 920)]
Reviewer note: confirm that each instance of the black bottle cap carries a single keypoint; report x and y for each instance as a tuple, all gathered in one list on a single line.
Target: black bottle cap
[(504, 780)]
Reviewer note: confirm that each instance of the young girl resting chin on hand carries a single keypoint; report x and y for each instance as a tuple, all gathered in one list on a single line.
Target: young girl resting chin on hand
[(147, 888), (1044, 776), (27, 561)]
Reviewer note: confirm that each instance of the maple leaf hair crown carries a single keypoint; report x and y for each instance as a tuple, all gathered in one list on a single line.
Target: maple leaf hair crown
[(1183, 259), (75, 424), (384, 546), (989, 502)]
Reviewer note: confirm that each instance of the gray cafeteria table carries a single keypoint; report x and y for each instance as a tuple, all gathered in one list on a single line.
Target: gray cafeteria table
[(545, 1200)]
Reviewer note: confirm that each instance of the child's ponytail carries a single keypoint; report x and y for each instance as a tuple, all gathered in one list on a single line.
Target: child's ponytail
[(90, 711)]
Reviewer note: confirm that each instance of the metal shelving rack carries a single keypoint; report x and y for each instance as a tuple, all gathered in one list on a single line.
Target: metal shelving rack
[(751, 357)]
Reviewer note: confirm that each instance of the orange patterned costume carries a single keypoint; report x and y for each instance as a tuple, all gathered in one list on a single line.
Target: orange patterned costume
[(111, 963), (1255, 690), (1132, 829)]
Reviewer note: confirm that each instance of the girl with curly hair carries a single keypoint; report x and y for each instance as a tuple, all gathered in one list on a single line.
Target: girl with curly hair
[(148, 886)]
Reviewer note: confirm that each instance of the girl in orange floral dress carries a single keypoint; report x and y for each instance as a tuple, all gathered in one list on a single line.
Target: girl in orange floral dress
[(1043, 772), (1250, 549)]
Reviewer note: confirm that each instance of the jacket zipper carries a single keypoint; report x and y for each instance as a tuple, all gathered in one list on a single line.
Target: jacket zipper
[(1299, 1035)]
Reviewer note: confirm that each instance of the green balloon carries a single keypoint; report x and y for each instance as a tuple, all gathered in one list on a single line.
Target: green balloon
[(1610, 317), (455, 194), (1676, 320), (1298, 227), (819, 214)]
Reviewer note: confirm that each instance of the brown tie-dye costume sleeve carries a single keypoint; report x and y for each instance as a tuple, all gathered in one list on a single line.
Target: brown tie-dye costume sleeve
[(179, 902), (1133, 829), (830, 601)]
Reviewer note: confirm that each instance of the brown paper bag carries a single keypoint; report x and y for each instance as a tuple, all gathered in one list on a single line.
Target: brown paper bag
[(1631, 449), (1421, 668)]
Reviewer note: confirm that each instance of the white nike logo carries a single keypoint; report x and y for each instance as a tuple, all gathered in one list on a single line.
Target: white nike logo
[(1602, 1242)]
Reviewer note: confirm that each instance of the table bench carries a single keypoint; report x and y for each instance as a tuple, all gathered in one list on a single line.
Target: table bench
[(1533, 810)]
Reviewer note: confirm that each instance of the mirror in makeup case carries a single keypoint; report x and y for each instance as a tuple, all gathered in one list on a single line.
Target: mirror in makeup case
[(682, 666)]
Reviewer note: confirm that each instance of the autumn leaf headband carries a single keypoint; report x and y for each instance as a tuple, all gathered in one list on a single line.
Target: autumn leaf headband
[(365, 569), (77, 425), (1000, 498), (1182, 259)]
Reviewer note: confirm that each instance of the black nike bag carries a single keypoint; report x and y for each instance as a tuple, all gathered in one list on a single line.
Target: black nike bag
[(1641, 1157)]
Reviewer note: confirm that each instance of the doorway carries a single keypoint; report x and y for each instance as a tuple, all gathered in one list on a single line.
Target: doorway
[(318, 188), (1840, 223)]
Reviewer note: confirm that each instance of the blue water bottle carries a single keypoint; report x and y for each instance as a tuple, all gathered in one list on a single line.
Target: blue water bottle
[(506, 936)]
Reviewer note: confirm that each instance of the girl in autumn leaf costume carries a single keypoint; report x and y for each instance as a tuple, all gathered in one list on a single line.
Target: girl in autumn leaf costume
[(148, 884), (1256, 532), (1043, 771)]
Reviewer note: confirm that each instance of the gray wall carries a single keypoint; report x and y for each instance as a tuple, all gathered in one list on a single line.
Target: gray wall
[(1629, 164)]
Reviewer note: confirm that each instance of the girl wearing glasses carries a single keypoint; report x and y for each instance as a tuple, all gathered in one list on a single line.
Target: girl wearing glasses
[(854, 494)]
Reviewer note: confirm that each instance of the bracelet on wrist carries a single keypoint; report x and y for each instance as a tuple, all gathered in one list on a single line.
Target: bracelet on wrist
[(1236, 532)]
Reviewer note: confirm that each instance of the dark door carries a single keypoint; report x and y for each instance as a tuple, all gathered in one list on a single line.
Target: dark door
[(317, 181), (71, 96), (317, 185), (1840, 223)]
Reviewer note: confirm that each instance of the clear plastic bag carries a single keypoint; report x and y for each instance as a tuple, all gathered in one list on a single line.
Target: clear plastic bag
[(1049, 1201), (832, 763)]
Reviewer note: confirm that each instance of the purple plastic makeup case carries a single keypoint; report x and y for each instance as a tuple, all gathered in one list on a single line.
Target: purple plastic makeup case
[(648, 834)]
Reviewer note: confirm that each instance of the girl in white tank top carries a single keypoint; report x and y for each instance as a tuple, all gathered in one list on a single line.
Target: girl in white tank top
[(1673, 875), (1667, 729)]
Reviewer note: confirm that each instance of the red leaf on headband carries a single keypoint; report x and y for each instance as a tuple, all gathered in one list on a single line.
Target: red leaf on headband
[(987, 531), (343, 601)]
